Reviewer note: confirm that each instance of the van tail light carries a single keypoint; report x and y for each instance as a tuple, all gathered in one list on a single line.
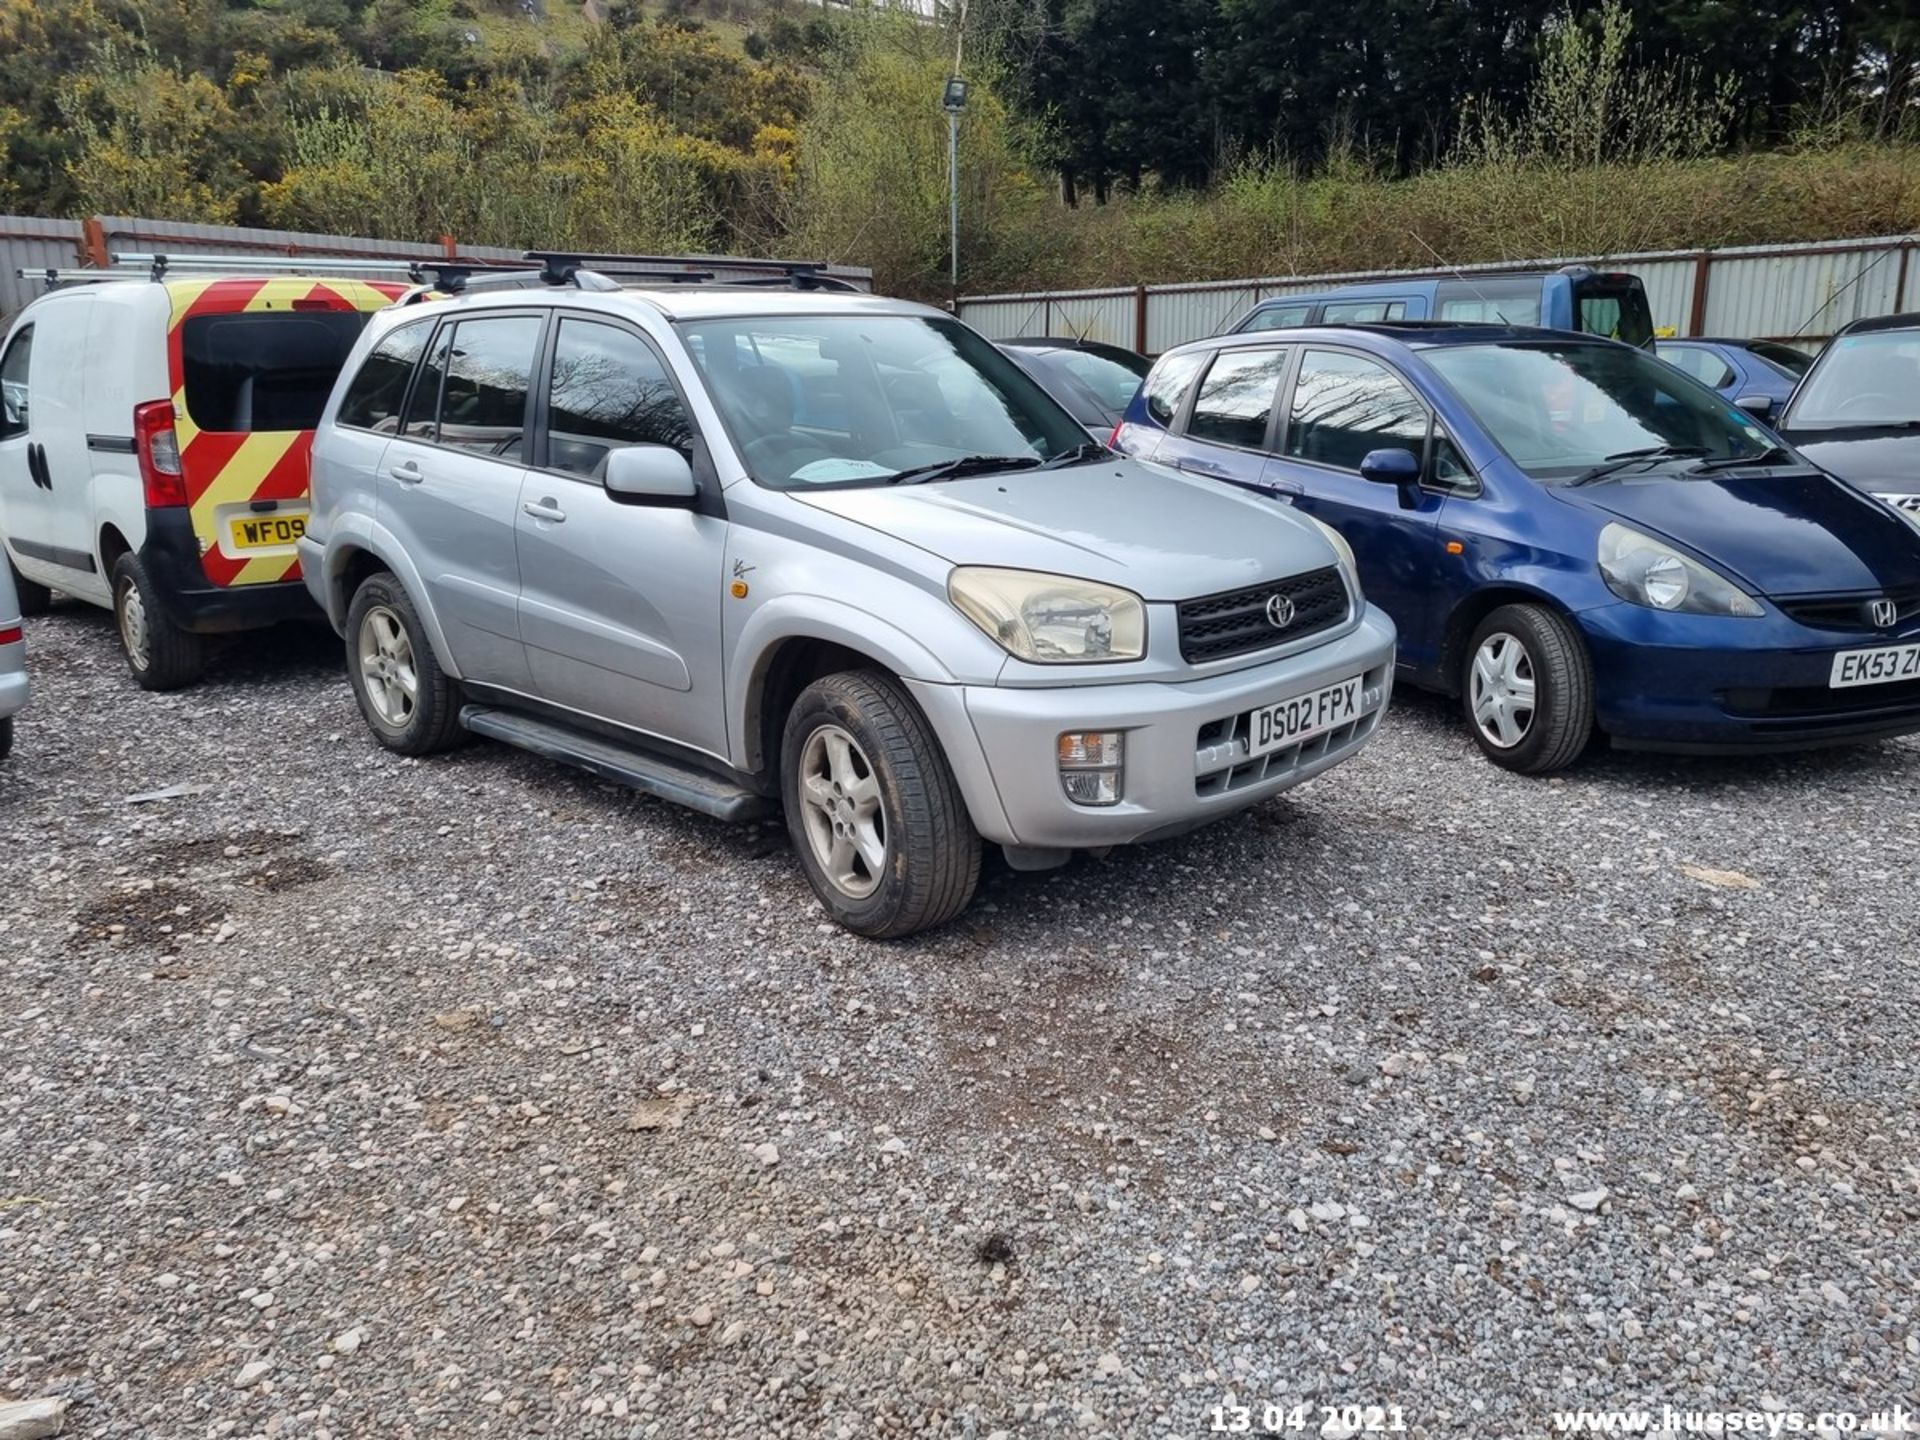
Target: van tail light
[(1113, 440), (159, 453), (12, 635)]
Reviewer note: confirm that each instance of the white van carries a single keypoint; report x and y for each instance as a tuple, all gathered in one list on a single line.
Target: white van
[(154, 435)]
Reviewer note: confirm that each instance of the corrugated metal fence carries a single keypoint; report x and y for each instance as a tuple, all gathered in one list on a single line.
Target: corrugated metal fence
[(1796, 293), (32, 244)]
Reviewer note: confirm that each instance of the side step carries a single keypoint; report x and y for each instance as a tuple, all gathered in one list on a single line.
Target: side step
[(642, 770)]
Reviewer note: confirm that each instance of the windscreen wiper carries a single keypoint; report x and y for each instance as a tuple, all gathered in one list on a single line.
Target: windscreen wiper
[(1772, 455), (962, 465), (1087, 450), (1620, 460)]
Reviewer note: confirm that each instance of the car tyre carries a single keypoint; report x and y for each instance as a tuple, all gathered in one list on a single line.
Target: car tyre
[(6, 737), (1527, 689), (875, 814), (410, 703), (160, 654), (35, 599)]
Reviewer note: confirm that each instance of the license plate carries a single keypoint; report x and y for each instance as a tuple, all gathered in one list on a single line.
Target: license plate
[(1875, 667), (1292, 721), (267, 532)]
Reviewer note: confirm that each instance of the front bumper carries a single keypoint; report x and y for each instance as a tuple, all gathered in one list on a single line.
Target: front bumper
[(1186, 755), (1705, 682), (192, 602)]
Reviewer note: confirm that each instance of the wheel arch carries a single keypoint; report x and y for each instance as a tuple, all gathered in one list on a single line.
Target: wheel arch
[(1466, 616), (351, 559)]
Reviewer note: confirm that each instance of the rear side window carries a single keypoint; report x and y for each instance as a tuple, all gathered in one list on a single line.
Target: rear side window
[(483, 404), (1363, 312), (1703, 365), (610, 390), (268, 371), (13, 384), (1167, 385), (1237, 397), (1490, 301), (376, 393), (1347, 405)]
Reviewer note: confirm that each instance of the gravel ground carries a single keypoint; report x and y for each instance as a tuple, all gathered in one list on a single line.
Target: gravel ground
[(361, 1097)]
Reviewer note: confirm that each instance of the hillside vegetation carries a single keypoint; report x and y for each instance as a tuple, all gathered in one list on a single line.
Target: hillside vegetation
[(771, 126)]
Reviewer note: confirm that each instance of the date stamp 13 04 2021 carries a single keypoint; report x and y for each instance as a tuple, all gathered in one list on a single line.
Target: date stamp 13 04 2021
[(1329, 1422)]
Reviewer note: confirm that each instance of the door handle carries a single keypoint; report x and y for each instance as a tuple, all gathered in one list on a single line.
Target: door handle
[(37, 466), (545, 510), (407, 473)]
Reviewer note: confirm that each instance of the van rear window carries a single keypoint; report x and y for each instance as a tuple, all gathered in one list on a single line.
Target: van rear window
[(270, 370)]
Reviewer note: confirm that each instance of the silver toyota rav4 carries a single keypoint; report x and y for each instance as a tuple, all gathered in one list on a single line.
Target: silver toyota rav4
[(742, 547)]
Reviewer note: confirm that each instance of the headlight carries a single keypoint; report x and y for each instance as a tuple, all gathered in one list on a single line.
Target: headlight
[(1650, 572), (1051, 619), (1337, 540)]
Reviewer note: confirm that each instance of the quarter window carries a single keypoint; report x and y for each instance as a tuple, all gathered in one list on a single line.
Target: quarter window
[(1347, 405), (13, 385), (610, 390), (423, 409), (373, 399), (1237, 397), (483, 405), (1167, 385)]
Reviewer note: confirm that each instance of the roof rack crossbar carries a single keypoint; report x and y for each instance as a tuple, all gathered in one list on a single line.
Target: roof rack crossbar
[(700, 269)]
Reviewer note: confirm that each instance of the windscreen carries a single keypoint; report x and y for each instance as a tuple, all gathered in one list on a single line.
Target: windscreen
[(848, 400), (271, 370), (1558, 410), (1614, 306), (1111, 379), (1866, 379), (1788, 361)]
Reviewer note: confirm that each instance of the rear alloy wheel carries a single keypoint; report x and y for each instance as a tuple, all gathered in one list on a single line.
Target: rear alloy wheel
[(876, 817), (410, 703), (160, 654), (1528, 690)]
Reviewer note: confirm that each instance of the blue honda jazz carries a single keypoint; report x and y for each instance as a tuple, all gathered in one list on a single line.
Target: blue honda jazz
[(1573, 536)]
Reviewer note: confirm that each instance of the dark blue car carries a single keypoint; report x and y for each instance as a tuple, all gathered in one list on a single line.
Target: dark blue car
[(1759, 375), (1571, 534)]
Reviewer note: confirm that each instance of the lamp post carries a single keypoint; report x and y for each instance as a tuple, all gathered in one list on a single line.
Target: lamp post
[(954, 100)]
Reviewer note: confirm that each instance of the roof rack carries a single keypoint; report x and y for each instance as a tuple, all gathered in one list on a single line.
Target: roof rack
[(698, 269), (131, 265)]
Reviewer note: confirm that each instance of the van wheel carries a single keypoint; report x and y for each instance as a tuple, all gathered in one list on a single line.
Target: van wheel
[(160, 654), (876, 817), (410, 703), (1528, 689), (35, 599)]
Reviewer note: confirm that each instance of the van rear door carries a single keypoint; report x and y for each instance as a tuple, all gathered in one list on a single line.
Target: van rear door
[(1615, 306), (252, 363)]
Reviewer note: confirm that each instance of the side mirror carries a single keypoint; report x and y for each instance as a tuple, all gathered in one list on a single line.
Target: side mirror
[(649, 475), (1761, 407), (1398, 468)]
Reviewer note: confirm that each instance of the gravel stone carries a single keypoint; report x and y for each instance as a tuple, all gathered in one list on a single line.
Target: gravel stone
[(1070, 1126)]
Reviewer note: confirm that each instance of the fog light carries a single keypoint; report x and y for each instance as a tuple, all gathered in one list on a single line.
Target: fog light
[(1091, 763)]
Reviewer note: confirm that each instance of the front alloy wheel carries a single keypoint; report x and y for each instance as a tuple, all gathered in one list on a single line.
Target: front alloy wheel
[(1528, 689), (1502, 691), (840, 799)]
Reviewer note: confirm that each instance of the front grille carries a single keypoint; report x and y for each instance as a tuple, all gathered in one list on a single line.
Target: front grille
[(1218, 627), (1849, 612)]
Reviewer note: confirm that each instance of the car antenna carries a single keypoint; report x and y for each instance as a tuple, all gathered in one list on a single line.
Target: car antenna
[(1461, 276)]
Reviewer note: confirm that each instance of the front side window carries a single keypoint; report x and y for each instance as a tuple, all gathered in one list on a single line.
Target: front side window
[(483, 403), (1168, 384), (1237, 397), (1278, 317), (1346, 406), (13, 384), (610, 390), (1703, 365), (1865, 379), (376, 393), (267, 370), (866, 399), (1560, 408)]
